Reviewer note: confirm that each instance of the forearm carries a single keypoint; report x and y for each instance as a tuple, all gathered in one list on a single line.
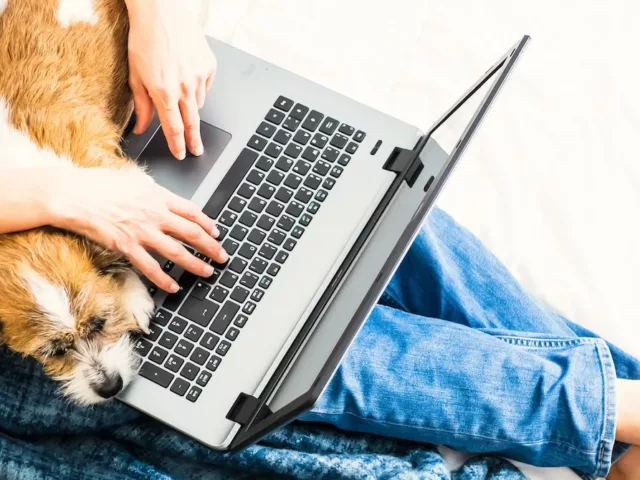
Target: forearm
[(25, 199)]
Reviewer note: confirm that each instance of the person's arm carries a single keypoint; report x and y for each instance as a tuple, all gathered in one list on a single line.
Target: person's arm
[(171, 68), (125, 211)]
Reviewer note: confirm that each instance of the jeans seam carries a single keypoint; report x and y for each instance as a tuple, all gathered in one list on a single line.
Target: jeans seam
[(559, 343), (603, 462)]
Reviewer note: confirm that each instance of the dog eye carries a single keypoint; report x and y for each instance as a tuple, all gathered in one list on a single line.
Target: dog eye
[(59, 352), (95, 325)]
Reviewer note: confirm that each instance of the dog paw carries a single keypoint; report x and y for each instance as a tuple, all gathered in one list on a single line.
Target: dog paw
[(138, 301)]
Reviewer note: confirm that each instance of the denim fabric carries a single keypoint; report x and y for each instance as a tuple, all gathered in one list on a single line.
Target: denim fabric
[(521, 382)]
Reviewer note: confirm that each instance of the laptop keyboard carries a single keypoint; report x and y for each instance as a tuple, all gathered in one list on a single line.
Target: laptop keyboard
[(262, 207)]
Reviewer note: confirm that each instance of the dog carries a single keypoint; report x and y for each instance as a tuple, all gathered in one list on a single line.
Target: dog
[(69, 303)]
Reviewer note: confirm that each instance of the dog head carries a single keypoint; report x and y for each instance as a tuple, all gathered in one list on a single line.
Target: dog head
[(73, 306)]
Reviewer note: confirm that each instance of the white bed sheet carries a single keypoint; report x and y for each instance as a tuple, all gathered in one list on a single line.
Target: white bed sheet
[(552, 182)]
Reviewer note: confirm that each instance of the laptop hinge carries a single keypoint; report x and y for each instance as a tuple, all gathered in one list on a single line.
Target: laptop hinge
[(243, 410), (398, 161)]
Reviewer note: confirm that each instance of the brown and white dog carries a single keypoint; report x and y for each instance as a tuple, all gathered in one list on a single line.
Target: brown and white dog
[(64, 100)]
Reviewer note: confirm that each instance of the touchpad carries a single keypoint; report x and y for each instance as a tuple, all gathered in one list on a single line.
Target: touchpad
[(183, 177)]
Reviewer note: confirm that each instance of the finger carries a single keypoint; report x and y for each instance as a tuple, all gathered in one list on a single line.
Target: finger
[(195, 236), (191, 120), (210, 81), (178, 254), (143, 106), (201, 92), (173, 128), (191, 212), (144, 262)]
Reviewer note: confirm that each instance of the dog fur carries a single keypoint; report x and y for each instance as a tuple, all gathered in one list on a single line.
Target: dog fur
[(64, 100)]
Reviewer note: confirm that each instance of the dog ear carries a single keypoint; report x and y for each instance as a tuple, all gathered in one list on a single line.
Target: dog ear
[(108, 262)]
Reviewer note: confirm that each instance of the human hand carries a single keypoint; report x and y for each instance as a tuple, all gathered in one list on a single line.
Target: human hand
[(126, 211), (171, 67)]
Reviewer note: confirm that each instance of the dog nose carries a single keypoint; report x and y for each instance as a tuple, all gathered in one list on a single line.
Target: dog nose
[(110, 387)]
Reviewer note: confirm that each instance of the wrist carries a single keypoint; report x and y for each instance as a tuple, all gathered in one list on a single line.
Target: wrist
[(58, 206)]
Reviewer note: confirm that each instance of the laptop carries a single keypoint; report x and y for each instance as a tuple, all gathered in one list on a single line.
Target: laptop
[(317, 198)]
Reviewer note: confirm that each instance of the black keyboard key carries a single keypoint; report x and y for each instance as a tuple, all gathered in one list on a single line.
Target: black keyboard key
[(267, 191), (305, 219), (281, 257), (275, 177), (183, 347), (301, 167), (238, 265), (255, 177), (199, 356), (189, 371), (273, 150), (232, 334), (228, 218), (313, 207), (193, 394), (239, 232), (193, 333), (239, 294), (209, 341), (344, 159), (223, 348), (266, 222), (359, 136), (174, 363), (346, 129), (256, 236), (297, 232), (352, 148), (240, 321), (257, 204), (167, 267), (219, 293), (248, 280), (302, 137), (230, 246), (275, 117), (311, 154), (295, 209), (299, 111), (291, 124), (152, 289), (267, 251), (265, 282), (313, 120), (155, 374), (321, 168), (247, 251), (275, 208), (213, 363), (304, 195), (257, 295), (273, 269), (142, 347), (223, 232), (336, 171), (185, 282), (229, 183), (237, 204), (158, 355), (162, 317), (319, 140), (177, 325), (180, 387), (277, 237), (293, 181), (288, 245), (330, 154), (312, 181), (246, 190), (286, 223), (200, 291), (284, 164), (321, 195), (154, 332), (293, 150), (199, 311), (249, 307), (265, 163), (329, 125), (266, 130), (228, 279), (339, 141), (223, 319), (328, 184), (203, 378), (258, 265), (283, 103), (257, 143), (248, 218), (282, 137), (284, 194)]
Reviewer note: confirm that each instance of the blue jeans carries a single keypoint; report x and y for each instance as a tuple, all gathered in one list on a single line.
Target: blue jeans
[(457, 353)]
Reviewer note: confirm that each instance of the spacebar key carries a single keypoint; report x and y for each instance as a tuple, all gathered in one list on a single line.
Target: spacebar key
[(229, 183), (155, 374)]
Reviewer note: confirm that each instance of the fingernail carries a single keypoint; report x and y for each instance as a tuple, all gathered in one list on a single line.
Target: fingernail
[(181, 155), (208, 270), (224, 256), (174, 287), (199, 150), (215, 232)]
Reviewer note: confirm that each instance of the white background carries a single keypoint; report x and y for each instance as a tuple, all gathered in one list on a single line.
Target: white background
[(552, 182)]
